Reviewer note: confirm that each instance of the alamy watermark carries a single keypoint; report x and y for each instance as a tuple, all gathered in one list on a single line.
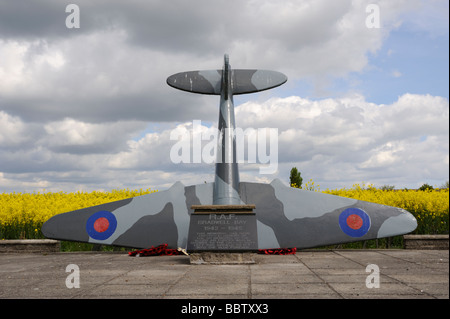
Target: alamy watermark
[(73, 19), (373, 17), (373, 279), (200, 145), (73, 279)]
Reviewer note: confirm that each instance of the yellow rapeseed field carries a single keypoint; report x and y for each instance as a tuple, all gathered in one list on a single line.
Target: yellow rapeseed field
[(22, 214), (430, 207)]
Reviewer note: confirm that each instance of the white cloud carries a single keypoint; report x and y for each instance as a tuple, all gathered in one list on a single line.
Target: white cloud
[(12, 131), (72, 101), (11, 65), (429, 16), (358, 138), (396, 74), (114, 67), (72, 136), (333, 141)]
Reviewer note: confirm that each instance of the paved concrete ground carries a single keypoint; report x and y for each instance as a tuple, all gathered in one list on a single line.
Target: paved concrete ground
[(404, 274)]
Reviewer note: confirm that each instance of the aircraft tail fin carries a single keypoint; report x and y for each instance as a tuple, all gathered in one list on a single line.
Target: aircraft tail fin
[(210, 81)]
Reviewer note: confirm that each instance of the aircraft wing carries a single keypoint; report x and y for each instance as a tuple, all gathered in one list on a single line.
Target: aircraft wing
[(290, 217), (139, 222), (285, 217)]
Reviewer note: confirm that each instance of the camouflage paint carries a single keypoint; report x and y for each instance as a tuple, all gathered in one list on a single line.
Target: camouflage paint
[(286, 217), (302, 219), (226, 83), (226, 181)]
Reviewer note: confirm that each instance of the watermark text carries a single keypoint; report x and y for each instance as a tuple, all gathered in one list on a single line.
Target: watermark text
[(73, 279), (73, 19), (373, 279), (373, 17), (200, 145)]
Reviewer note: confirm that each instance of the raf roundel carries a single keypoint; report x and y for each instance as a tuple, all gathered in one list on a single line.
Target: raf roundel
[(101, 225), (354, 222)]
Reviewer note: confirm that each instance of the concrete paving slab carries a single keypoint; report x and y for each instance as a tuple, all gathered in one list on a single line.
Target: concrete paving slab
[(312, 274), (274, 289)]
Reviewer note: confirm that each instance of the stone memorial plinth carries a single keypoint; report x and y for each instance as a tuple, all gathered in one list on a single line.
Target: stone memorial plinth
[(222, 228)]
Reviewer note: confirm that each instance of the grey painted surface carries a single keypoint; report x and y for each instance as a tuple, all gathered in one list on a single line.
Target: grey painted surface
[(300, 219), (286, 217)]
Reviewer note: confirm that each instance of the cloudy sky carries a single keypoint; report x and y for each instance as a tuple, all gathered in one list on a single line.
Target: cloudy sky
[(88, 108)]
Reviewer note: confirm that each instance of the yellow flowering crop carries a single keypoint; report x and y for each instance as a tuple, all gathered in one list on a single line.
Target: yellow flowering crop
[(22, 214), (430, 207)]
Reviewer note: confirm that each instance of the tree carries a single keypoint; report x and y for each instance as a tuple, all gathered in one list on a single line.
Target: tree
[(426, 187), (295, 178)]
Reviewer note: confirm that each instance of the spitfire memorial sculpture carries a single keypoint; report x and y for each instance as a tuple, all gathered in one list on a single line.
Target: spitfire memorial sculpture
[(230, 215)]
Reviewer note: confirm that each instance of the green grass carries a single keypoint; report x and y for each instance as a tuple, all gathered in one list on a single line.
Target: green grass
[(71, 246), (381, 243)]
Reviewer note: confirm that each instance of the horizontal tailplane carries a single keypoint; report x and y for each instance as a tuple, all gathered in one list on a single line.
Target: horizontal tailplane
[(252, 81), (210, 81)]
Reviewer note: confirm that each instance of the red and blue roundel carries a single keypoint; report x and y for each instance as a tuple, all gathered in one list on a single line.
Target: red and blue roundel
[(354, 222), (101, 225)]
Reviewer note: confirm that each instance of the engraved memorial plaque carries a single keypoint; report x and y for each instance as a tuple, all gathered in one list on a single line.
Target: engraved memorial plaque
[(222, 232)]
